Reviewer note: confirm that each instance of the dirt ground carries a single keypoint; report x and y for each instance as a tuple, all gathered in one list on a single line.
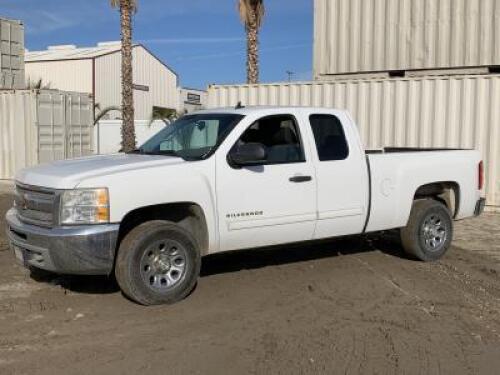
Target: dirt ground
[(352, 306)]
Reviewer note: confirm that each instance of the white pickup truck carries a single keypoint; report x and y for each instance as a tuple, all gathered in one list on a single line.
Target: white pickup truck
[(234, 179)]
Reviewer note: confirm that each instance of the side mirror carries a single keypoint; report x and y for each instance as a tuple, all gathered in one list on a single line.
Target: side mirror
[(248, 154)]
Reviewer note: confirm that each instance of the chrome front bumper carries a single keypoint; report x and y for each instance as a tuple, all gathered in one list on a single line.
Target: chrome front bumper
[(85, 250)]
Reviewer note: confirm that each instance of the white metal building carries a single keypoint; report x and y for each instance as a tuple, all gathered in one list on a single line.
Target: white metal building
[(191, 100), (97, 70)]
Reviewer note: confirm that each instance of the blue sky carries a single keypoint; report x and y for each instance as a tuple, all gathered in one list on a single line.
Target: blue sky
[(202, 40)]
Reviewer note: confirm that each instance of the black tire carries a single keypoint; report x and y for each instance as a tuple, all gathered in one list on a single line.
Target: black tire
[(151, 286), (429, 231)]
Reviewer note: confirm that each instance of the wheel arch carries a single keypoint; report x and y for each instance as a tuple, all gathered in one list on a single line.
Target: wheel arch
[(447, 192), (188, 215)]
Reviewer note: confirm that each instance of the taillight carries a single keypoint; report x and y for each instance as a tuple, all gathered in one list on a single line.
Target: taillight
[(480, 183)]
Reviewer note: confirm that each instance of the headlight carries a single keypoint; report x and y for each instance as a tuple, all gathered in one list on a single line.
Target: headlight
[(85, 206)]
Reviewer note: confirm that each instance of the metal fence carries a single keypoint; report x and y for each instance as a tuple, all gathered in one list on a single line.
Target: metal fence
[(457, 111)]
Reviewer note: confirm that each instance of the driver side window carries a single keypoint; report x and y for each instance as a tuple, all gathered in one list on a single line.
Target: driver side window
[(280, 137)]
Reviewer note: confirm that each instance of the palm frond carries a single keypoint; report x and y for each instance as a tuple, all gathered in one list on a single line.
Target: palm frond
[(117, 4), (167, 115), (104, 111), (37, 85), (247, 8)]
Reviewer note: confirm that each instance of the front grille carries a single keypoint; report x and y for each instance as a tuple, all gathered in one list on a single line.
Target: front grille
[(35, 205)]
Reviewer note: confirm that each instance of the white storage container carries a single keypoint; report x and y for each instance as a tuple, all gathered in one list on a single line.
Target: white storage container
[(38, 126), (11, 54), (457, 111), (353, 36)]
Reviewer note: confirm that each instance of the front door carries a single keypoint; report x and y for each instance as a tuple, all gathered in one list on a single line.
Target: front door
[(272, 203)]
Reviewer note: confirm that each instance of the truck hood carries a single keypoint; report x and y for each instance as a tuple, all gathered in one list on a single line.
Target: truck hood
[(67, 174)]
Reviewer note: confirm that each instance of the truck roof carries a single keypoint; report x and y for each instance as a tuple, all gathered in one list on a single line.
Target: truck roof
[(247, 110)]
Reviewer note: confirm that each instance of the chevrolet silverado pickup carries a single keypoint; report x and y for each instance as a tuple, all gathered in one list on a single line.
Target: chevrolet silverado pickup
[(230, 179)]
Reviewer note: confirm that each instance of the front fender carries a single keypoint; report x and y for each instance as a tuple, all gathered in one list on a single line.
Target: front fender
[(190, 182)]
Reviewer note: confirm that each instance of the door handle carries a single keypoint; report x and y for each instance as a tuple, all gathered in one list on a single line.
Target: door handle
[(300, 179)]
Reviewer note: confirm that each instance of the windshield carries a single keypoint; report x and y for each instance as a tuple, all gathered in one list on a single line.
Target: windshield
[(192, 137)]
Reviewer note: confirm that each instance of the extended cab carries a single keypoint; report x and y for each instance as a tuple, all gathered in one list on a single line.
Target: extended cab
[(233, 179)]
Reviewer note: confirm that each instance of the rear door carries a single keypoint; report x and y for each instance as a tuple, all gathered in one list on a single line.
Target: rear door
[(341, 174), (272, 203)]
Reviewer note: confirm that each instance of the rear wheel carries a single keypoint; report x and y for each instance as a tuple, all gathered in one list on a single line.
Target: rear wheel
[(158, 263), (429, 231)]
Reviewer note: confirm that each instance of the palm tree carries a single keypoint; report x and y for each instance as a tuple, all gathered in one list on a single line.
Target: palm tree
[(37, 85), (251, 14), (127, 8)]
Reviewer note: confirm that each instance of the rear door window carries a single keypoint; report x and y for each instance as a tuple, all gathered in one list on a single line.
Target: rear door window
[(329, 135)]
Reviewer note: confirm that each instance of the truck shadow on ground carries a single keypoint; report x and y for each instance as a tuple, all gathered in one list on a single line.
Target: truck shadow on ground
[(301, 252), (243, 260)]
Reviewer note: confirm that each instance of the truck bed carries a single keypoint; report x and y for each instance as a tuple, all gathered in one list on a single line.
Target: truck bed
[(395, 174)]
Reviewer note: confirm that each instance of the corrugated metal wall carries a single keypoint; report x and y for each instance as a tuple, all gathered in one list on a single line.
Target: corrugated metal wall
[(78, 75), (18, 134), (461, 111), (65, 125), (148, 71), (11, 54), (70, 75), (38, 126), (352, 36)]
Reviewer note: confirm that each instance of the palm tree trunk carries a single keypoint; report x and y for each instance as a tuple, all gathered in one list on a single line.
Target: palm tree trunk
[(128, 129), (252, 50)]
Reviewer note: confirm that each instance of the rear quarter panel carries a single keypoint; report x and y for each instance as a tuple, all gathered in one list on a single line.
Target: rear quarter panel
[(395, 177)]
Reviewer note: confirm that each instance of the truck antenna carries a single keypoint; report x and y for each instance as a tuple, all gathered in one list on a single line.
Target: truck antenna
[(239, 106)]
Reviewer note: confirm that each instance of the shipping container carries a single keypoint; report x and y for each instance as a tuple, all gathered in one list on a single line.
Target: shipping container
[(458, 111), (38, 126), (352, 36), (11, 54)]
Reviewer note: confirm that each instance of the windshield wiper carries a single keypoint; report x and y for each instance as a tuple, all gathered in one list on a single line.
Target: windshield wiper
[(166, 152), (163, 153)]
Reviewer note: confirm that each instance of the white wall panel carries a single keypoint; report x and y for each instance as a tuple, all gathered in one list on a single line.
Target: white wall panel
[(148, 71), (458, 111), (108, 138), (353, 36), (66, 75)]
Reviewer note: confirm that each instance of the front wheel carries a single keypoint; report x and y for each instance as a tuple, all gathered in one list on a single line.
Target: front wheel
[(429, 231), (158, 262)]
